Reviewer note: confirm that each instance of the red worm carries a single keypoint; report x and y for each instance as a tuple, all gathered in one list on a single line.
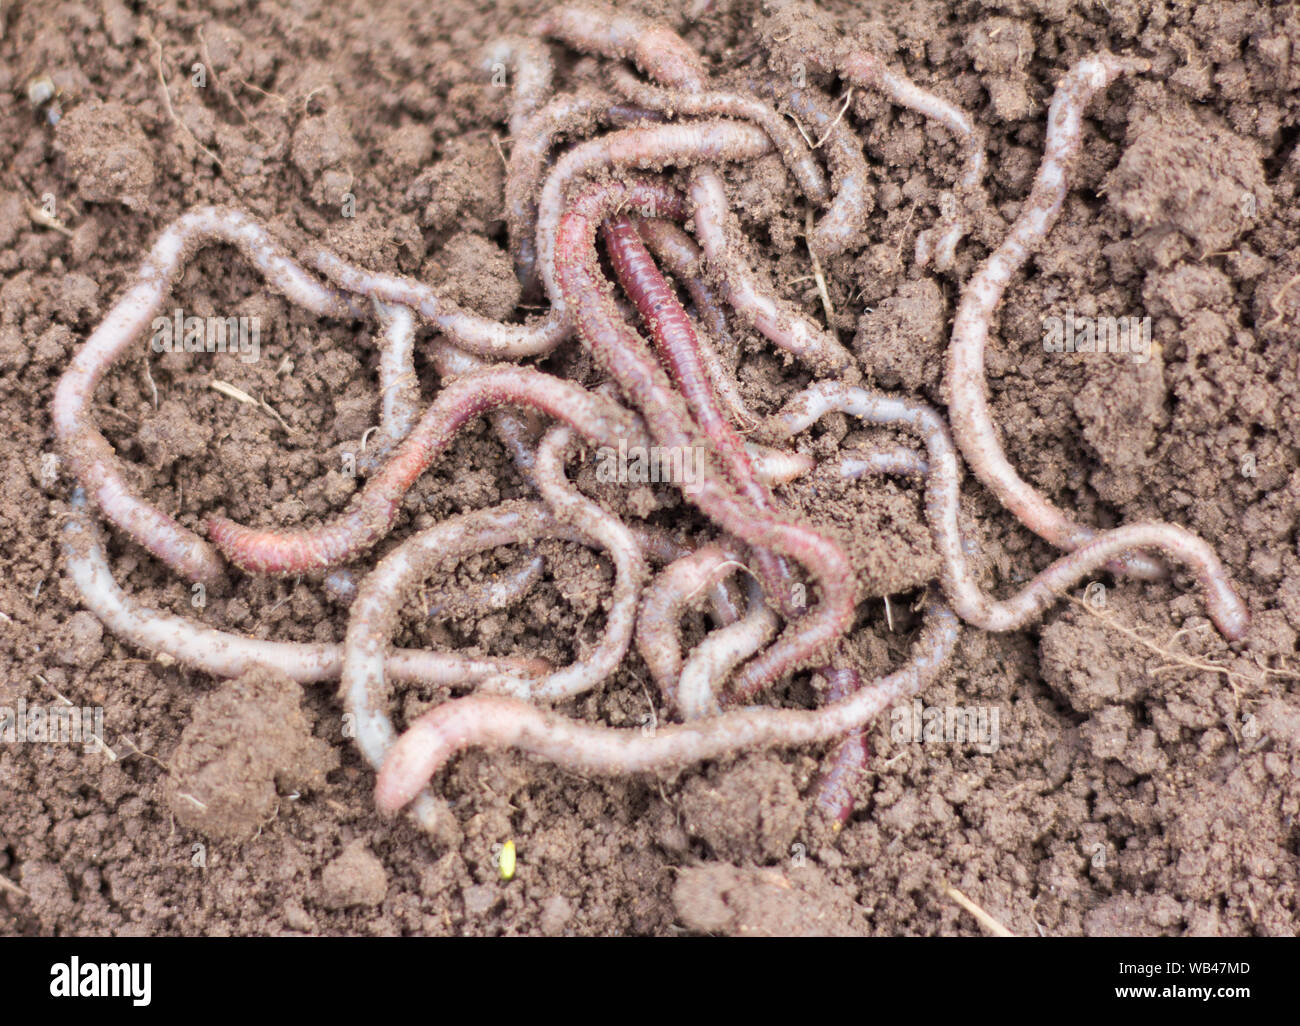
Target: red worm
[(376, 507), (625, 356), (835, 794)]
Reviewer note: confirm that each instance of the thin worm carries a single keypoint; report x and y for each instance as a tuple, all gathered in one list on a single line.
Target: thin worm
[(969, 601), (500, 591), (685, 580), (972, 423), (399, 388), (798, 158), (705, 670), (90, 458), (773, 318), (656, 49), (867, 71), (886, 462), (488, 721), (376, 610), (223, 654), (470, 331), (376, 506), (625, 356), (778, 466), (836, 787), (534, 69), (841, 228)]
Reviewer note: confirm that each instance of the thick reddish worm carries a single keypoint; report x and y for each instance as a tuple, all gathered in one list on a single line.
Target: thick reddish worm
[(680, 254), (377, 504), (625, 356), (89, 456), (968, 411), (968, 600), (679, 347), (222, 654), (488, 721)]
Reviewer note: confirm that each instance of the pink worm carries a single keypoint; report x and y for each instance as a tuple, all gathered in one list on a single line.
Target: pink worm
[(969, 601), (794, 151), (377, 505), (89, 456), (222, 654), (623, 354), (675, 338), (835, 789), (972, 424), (491, 722), (678, 252)]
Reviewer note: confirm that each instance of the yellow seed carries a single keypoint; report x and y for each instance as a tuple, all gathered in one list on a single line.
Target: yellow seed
[(506, 863)]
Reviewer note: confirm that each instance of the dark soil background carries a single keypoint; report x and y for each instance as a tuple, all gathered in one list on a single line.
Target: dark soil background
[(1148, 777)]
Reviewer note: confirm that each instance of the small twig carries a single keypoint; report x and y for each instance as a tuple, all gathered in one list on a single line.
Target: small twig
[(238, 394), (985, 920)]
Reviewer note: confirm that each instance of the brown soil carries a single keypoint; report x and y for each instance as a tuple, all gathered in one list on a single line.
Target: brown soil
[(1134, 790)]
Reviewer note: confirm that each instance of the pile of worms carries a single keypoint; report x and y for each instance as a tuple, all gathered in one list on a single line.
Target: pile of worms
[(640, 182)]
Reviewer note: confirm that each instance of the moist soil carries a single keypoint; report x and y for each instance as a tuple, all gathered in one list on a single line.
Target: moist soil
[(1147, 775)]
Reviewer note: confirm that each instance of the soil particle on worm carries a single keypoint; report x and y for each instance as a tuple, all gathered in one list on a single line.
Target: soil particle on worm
[(1146, 777)]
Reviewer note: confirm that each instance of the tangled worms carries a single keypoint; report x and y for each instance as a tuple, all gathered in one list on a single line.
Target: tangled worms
[(781, 590)]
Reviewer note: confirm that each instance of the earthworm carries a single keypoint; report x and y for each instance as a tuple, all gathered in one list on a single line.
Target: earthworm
[(650, 146), (968, 411), (534, 69), (679, 347), (375, 613), (516, 430), (887, 462), (969, 601), (656, 49), (835, 788), (376, 506), (571, 113), (470, 331), (683, 581), (789, 144), (223, 654), (624, 355), (399, 388), (867, 71), (777, 466), (500, 591), (773, 318), (490, 721), (680, 254), (705, 670), (90, 458), (842, 226)]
